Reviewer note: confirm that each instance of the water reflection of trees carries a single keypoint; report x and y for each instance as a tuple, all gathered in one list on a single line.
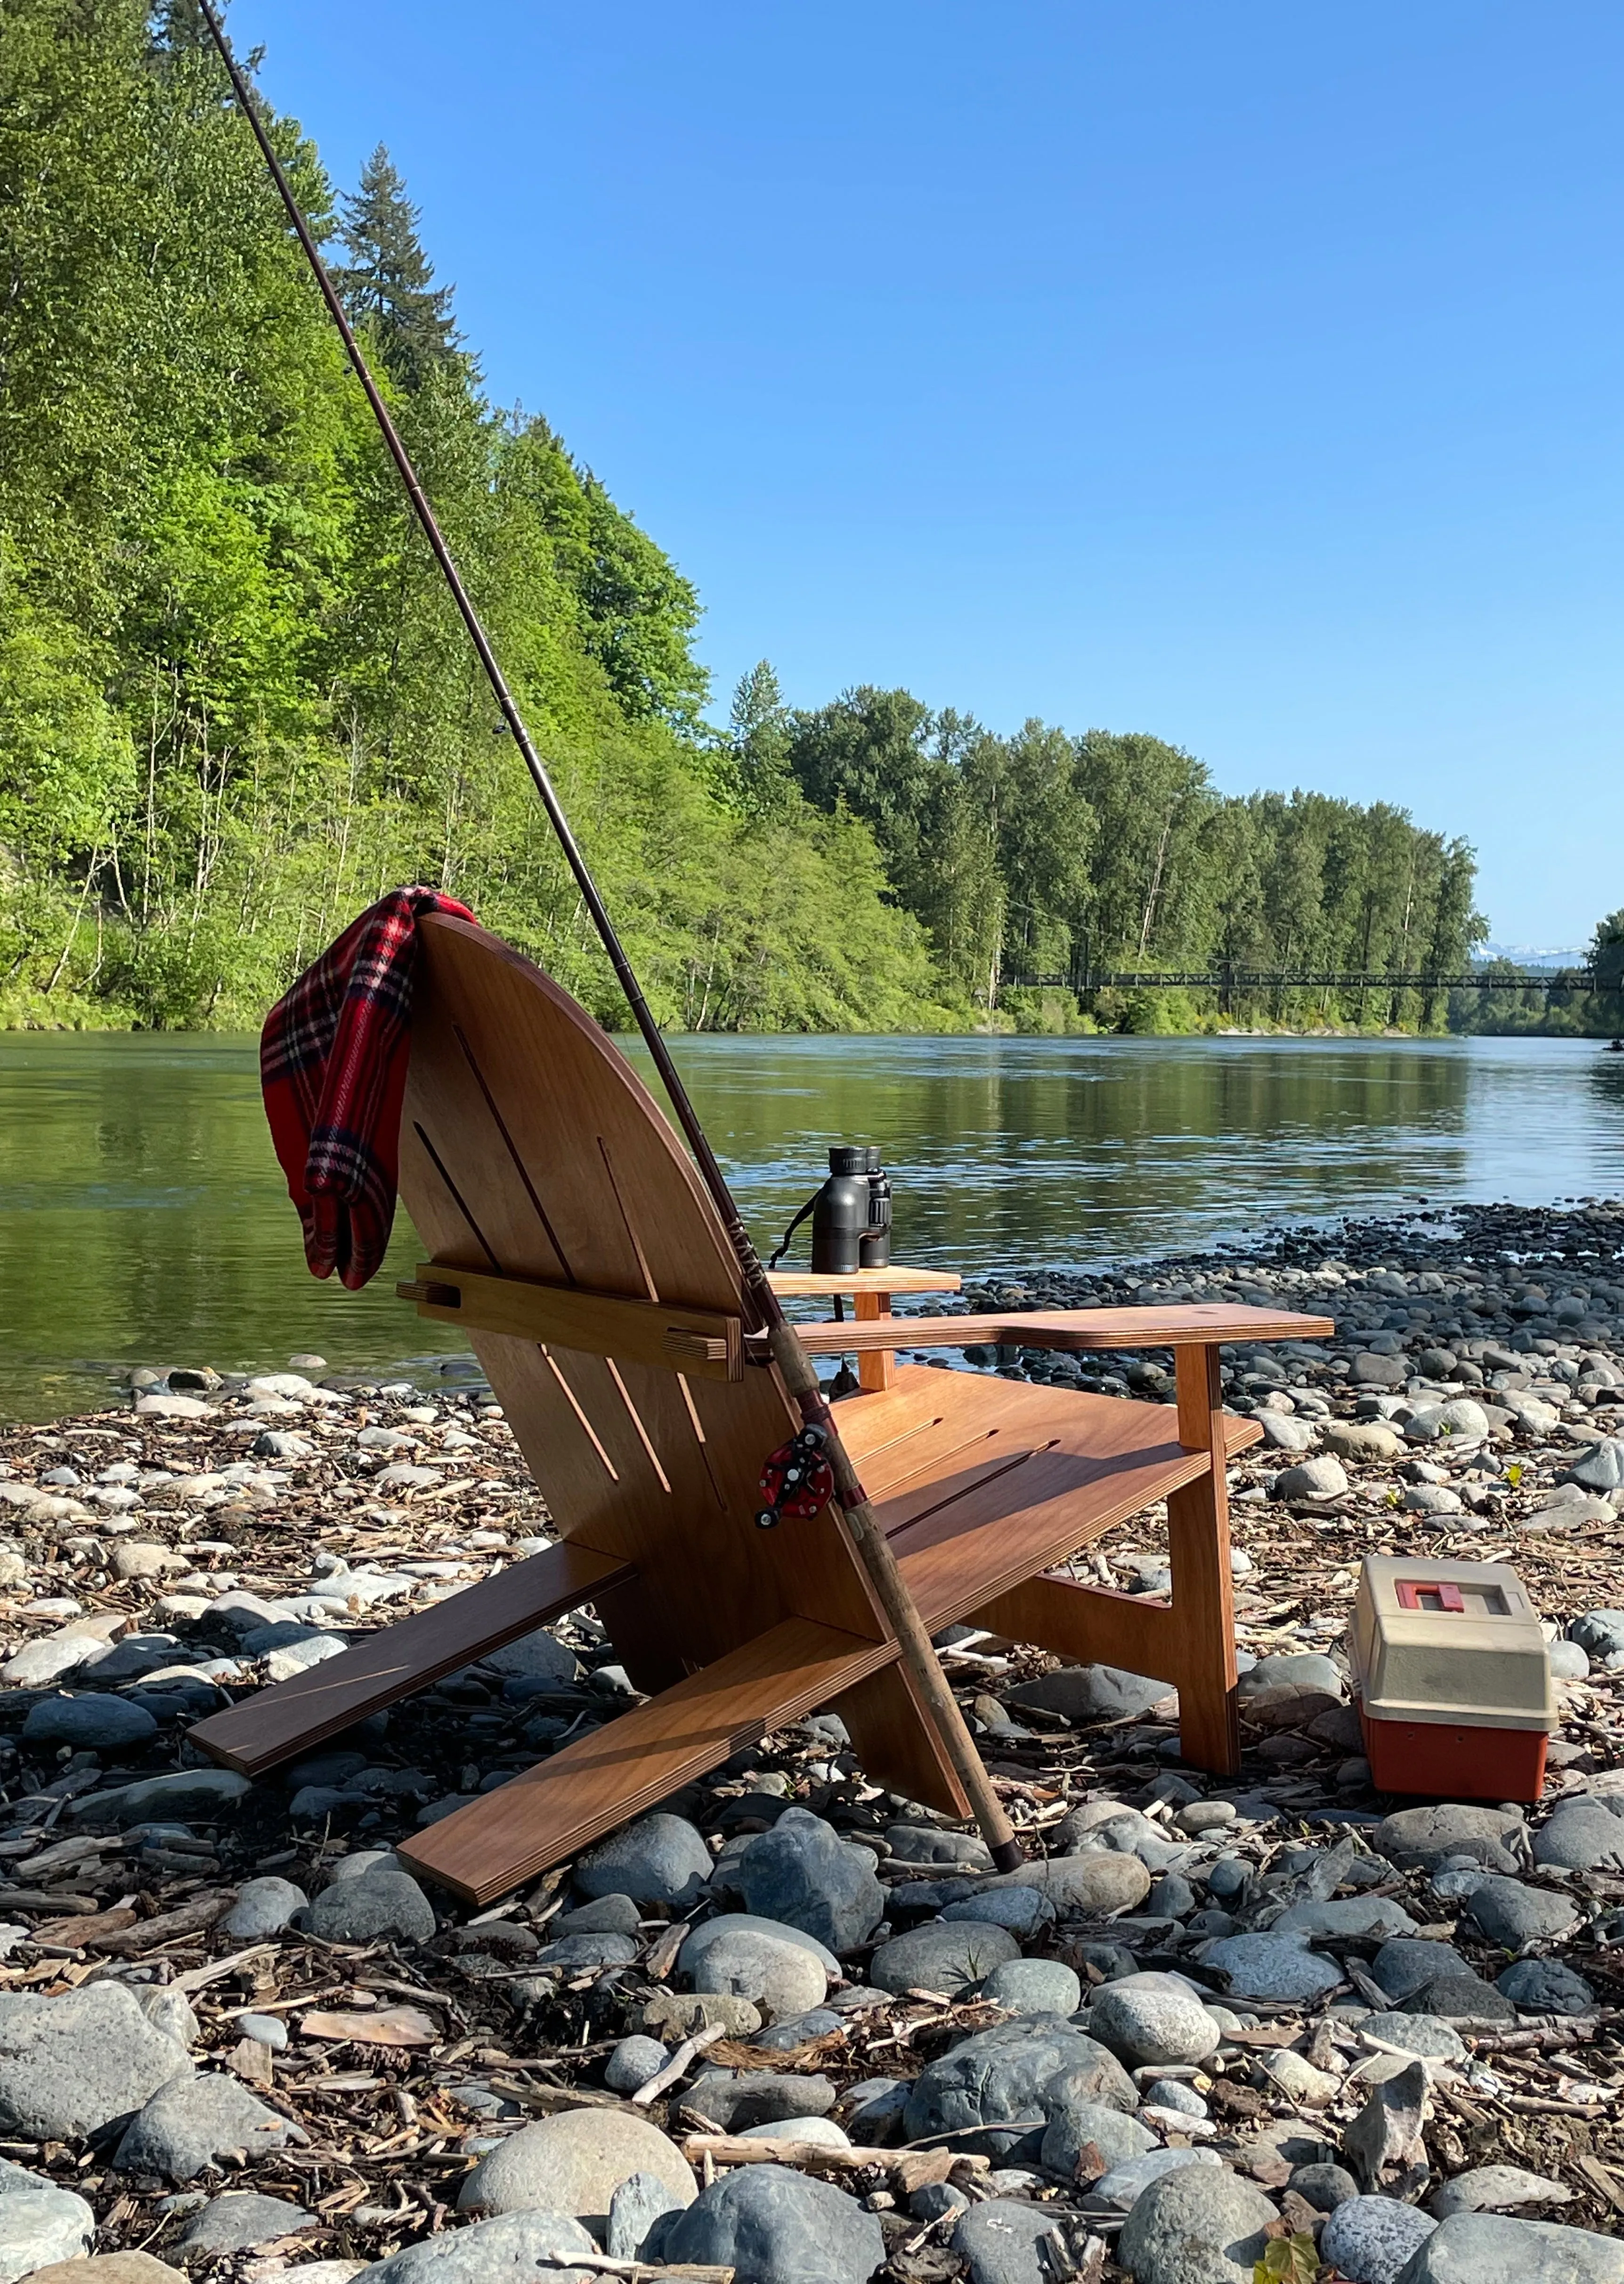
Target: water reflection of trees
[(1605, 1080), (143, 1217), (1012, 1149)]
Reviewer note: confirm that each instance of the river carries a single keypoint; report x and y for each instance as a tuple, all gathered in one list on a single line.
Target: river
[(143, 1217)]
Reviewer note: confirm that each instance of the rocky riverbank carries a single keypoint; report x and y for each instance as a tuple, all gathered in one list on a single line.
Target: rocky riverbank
[(791, 2026)]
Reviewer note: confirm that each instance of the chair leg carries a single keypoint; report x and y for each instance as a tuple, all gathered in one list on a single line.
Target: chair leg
[(1189, 1642), (1203, 1588), (896, 1742)]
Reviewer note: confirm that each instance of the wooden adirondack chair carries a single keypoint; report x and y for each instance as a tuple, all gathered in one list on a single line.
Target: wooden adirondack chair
[(573, 1241)]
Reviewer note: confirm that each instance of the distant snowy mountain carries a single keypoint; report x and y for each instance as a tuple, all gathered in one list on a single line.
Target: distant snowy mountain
[(1526, 955)]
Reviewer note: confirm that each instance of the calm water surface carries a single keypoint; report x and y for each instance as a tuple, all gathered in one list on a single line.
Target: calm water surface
[(143, 1217)]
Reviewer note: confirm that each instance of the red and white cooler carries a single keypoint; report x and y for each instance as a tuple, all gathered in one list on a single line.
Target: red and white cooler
[(1453, 1679)]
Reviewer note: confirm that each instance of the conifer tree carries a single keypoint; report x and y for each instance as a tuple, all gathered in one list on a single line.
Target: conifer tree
[(1607, 961), (177, 27), (389, 281), (760, 732)]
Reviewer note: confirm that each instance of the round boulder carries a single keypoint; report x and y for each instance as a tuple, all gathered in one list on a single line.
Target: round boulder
[(573, 2164), (1370, 2239), (1098, 1881), (375, 1902), (70, 2065), (773, 2226), (945, 1955), (516, 2248), (1202, 2225), (94, 1725), (1545, 1986), (1028, 2068), (1034, 1986), (1271, 1967), (1321, 1478), (780, 1977), (660, 1859), (998, 2241), (804, 1872), (1084, 2130), (1152, 2018)]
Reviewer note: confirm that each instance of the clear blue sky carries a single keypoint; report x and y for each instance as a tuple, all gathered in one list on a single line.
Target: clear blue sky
[(1250, 375)]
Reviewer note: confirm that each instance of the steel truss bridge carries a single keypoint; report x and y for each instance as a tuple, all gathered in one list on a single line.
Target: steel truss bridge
[(1229, 979)]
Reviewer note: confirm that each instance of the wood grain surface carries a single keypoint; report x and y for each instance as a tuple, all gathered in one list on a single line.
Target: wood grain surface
[(1197, 1325), (707, 1342), (480, 1851), (390, 1664), (790, 1284), (529, 1148)]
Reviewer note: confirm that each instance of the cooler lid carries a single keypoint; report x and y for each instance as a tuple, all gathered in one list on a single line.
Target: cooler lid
[(1448, 1642)]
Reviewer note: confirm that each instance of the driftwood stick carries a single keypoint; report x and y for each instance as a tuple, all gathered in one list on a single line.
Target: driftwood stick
[(1536, 2037), (653, 2088), (910, 2169), (814, 2156), (640, 2272)]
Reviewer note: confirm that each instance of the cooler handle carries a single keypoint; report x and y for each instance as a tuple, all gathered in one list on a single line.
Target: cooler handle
[(1449, 1594)]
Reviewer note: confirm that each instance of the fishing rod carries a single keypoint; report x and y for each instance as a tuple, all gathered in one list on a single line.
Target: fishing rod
[(820, 1439)]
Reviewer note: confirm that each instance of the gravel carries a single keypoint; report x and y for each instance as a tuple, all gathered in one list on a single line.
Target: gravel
[(153, 1909)]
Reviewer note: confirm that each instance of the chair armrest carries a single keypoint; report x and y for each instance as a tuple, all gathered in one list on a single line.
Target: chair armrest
[(1196, 1326)]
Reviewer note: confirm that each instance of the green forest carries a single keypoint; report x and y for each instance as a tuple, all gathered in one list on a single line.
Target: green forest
[(236, 705)]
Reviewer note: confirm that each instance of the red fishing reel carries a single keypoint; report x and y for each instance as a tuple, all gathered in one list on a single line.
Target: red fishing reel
[(797, 1480)]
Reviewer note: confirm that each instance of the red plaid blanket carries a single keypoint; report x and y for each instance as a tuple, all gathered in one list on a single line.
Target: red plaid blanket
[(332, 1065)]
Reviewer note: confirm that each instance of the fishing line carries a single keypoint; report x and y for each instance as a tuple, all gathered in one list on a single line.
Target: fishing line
[(800, 1376)]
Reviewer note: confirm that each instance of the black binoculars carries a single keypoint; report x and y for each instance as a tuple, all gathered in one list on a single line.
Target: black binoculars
[(851, 1215)]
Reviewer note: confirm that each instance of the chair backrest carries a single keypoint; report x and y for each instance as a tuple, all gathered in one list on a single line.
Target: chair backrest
[(530, 1146)]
